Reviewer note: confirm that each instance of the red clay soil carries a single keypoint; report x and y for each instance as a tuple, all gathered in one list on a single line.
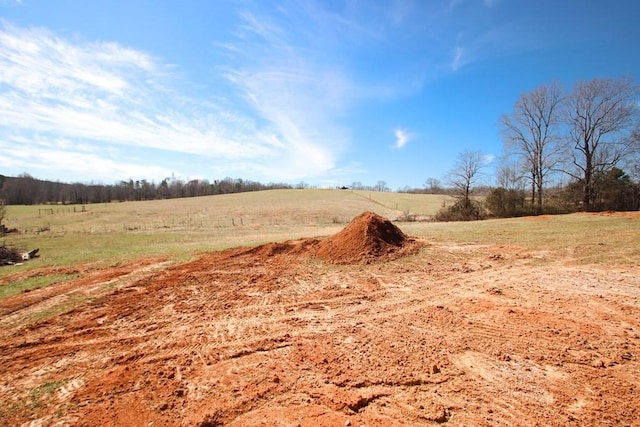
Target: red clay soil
[(287, 334), (368, 237)]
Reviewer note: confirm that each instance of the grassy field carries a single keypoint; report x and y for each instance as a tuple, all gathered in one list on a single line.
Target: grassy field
[(117, 232)]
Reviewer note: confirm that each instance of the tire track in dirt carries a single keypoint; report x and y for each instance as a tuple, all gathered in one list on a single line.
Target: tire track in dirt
[(405, 303), (16, 310)]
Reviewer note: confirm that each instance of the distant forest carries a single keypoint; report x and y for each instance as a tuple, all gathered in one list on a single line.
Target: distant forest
[(27, 190), (615, 190)]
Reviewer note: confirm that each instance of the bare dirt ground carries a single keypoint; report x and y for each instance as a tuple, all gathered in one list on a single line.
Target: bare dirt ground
[(367, 327)]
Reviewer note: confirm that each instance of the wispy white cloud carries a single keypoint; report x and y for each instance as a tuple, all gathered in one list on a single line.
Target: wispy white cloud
[(38, 156), (402, 138), (452, 4), (286, 80), (458, 58), (488, 159), (400, 10), (104, 95)]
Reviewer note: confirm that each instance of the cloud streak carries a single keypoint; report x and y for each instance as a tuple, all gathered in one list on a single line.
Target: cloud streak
[(106, 95), (37, 160), (458, 58), (296, 93)]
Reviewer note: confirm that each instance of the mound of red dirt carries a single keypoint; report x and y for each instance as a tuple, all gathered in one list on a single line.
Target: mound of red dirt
[(290, 247), (366, 238)]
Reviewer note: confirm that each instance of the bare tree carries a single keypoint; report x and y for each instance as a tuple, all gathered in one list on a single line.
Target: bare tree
[(530, 134), (600, 116), (433, 185), (462, 179), (466, 173), (381, 186), (634, 166), (509, 177)]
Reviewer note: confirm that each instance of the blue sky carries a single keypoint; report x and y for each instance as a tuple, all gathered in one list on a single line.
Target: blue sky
[(325, 92)]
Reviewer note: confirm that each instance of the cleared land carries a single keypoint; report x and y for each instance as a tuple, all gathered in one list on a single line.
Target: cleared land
[(532, 321)]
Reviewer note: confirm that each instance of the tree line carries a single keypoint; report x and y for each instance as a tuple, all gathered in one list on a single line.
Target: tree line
[(27, 190), (563, 152)]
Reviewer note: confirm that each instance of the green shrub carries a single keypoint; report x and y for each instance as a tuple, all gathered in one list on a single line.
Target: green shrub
[(503, 203), (461, 210)]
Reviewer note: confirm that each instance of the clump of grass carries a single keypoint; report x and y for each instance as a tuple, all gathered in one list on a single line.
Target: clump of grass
[(31, 283), (33, 403), (74, 301), (43, 392)]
